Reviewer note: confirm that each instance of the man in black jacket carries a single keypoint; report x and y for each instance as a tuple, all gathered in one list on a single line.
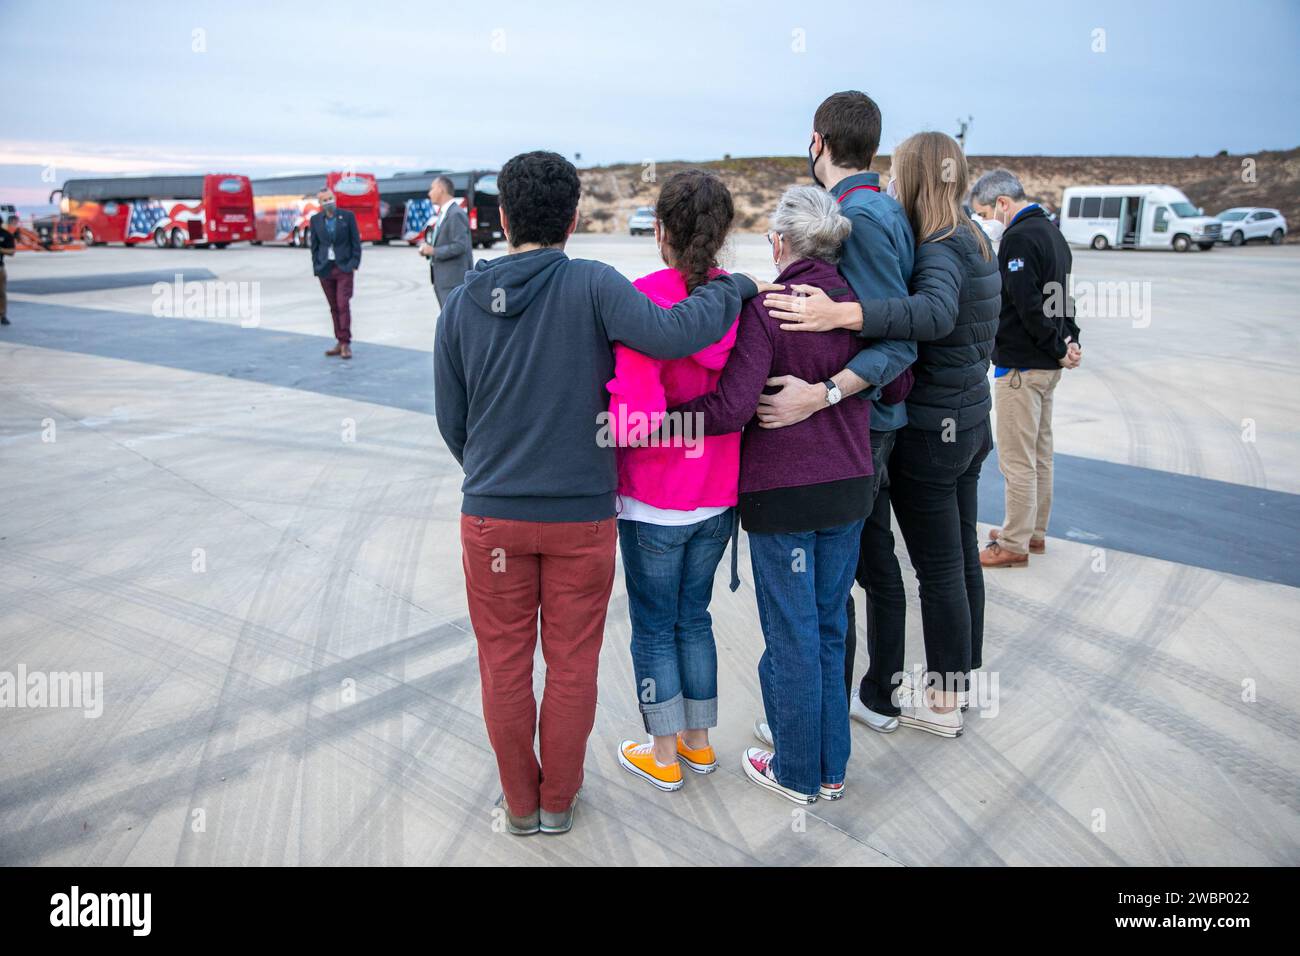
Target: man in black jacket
[(1037, 338), (335, 256)]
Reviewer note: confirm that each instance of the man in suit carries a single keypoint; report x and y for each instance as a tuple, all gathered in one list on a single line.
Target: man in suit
[(335, 256), (451, 249)]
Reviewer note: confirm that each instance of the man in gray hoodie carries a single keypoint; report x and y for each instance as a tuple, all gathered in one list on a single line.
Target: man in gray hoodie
[(521, 355)]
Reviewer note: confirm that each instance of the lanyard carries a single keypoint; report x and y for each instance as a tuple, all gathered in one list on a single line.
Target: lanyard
[(874, 189)]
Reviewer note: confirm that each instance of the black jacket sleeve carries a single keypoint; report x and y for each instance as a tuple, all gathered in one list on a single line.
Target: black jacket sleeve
[(1022, 279), (930, 312)]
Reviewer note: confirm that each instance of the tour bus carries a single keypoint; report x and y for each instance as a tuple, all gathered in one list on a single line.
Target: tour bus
[(284, 205), (214, 209), (408, 212), (1135, 217)]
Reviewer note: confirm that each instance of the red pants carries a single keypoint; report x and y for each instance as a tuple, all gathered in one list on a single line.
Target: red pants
[(338, 292), (513, 570)]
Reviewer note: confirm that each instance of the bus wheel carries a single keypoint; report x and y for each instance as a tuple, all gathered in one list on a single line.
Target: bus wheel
[(160, 238), (1205, 246), (1100, 242), (1182, 243), (1238, 238), (178, 239), (221, 245), (1276, 238), (88, 236)]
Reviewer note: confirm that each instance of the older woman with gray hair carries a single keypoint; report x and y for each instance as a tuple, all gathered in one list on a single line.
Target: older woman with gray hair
[(804, 493)]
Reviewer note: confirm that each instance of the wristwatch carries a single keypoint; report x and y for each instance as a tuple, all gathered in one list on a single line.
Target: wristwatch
[(833, 393)]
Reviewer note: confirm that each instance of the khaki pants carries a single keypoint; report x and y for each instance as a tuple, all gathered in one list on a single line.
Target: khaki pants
[(1023, 402)]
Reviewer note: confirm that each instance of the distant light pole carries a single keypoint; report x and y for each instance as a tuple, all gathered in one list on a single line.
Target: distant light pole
[(963, 127)]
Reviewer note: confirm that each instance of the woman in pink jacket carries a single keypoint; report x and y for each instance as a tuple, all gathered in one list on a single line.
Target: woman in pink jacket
[(677, 499)]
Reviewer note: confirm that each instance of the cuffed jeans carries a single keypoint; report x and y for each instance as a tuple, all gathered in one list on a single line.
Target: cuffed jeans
[(879, 575), (935, 493), (669, 574), (800, 580)]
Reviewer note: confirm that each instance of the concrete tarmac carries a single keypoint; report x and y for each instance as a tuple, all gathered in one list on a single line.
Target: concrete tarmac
[(257, 548)]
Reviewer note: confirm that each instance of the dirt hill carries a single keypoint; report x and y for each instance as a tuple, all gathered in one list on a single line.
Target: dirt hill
[(611, 193)]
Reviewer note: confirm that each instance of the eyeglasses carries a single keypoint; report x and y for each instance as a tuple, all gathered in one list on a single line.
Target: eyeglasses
[(770, 240)]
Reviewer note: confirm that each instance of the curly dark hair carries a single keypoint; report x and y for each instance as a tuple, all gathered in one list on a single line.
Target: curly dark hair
[(696, 212), (539, 193)]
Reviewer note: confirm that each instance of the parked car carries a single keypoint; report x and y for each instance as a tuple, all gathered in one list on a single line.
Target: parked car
[(1145, 216), (1244, 223), (642, 222)]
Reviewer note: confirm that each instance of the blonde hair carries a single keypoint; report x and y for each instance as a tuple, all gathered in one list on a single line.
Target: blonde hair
[(931, 175)]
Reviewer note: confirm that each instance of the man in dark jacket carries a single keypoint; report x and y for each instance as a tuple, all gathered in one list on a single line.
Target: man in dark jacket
[(335, 257), (1037, 338), (450, 249), (522, 353)]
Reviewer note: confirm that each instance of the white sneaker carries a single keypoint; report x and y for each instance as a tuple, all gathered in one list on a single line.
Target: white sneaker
[(764, 733), (908, 683), (915, 712), (880, 723), (757, 766)]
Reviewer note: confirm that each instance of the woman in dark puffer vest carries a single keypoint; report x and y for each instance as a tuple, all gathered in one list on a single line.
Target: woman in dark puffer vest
[(952, 314)]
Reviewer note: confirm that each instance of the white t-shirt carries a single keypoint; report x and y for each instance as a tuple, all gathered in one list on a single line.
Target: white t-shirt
[(634, 510)]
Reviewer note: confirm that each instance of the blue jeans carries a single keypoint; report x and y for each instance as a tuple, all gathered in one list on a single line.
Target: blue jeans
[(669, 574), (801, 580)]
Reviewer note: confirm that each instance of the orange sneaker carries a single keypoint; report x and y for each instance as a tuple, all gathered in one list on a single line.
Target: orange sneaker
[(703, 760), (639, 759)]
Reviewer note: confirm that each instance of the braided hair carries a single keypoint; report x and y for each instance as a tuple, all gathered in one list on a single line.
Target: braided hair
[(696, 212)]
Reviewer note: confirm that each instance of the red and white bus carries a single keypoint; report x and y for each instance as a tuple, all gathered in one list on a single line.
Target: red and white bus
[(213, 209), (284, 205)]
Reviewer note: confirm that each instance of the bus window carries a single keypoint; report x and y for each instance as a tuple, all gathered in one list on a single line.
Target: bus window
[(1074, 207), (1091, 207), (1110, 207), (1161, 220)]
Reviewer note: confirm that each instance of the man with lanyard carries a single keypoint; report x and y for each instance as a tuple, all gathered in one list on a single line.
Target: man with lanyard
[(1033, 345), (450, 248), (877, 261), (335, 257)]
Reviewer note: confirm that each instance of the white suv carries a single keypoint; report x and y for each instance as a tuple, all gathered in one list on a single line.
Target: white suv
[(1244, 223)]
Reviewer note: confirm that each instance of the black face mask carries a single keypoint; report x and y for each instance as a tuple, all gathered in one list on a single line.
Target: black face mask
[(812, 164)]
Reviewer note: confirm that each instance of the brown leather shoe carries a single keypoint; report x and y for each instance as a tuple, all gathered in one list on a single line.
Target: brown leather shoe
[(337, 350), (996, 556), (1036, 545), (347, 351)]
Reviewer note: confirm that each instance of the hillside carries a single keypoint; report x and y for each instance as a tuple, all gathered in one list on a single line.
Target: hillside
[(611, 193)]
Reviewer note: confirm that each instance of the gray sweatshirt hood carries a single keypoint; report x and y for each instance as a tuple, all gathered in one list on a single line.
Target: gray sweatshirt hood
[(507, 285)]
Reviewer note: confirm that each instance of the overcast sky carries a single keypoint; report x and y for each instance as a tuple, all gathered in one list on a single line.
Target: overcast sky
[(263, 87)]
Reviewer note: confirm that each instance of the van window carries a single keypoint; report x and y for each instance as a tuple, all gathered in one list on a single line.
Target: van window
[(1161, 221), (1184, 209), (1091, 207), (1074, 207), (1110, 207), (487, 185)]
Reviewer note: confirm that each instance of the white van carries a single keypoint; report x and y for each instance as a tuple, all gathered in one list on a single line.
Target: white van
[(1135, 217)]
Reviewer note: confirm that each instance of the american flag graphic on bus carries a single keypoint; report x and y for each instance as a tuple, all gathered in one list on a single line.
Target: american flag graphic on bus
[(145, 216), (418, 214)]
